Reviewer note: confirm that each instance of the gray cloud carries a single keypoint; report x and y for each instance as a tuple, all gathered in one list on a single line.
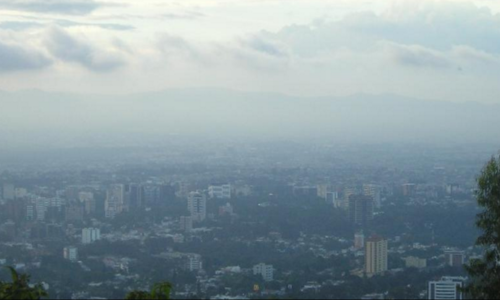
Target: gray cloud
[(71, 7), (417, 56), (70, 49), (17, 58)]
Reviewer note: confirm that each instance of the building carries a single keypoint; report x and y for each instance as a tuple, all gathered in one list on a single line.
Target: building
[(374, 191), (409, 189), (454, 258), (359, 240), (332, 198), (115, 201), (135, 196), (71, 254), (195, 263), (9, 191), (448, 288), (90, 235), (266, 271), (219, 191), (88, 201), (186, 224), (376, 256), (197, 206), (360, 210), (415, 262), (226, 210)]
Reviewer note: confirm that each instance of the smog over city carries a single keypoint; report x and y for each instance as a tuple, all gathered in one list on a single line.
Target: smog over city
[(250, 149)]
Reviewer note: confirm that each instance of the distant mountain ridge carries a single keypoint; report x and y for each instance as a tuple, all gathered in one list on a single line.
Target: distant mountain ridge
[(61, 117)]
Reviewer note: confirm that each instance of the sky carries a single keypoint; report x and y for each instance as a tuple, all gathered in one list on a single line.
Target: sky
[(428, 49)]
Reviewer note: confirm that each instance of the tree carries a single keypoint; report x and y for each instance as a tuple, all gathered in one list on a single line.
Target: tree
[(160, 291), (485, 272), (20, 288)]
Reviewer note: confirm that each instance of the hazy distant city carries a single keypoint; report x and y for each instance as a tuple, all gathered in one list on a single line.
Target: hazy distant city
[(236, 220)]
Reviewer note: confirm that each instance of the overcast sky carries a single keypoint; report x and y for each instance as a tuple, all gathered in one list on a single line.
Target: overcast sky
[(447, 50)]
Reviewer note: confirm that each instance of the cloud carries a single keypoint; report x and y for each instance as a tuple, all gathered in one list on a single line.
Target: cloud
[(418, 56), (27, 25), (18, 58), (78, 50), (70, 7)]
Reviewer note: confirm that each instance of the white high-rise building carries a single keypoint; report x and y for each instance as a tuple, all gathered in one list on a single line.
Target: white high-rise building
[(266, 271), (195, 263), (71, 254), (219, 191), (197, 206), (115, 201), (90, 235), (448, 288), (376, 256)]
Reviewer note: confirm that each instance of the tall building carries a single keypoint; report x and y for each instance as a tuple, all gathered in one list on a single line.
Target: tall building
[(88, 201), (134, 196), (359, 240), (455, 258), (115, 201), (333, 199), (195, 263), (448, 288), (197, 206), (375, 256), (360, 210), (374, 191), (219, 191), (266, 271), (70, 253), (90, 235)]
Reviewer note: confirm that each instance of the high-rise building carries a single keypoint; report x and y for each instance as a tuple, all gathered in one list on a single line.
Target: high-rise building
[(448, 288), (375, 256), (197, 206), (359, 240), (195, 263), (90, 235), (115, 201), (374, 191), (134, 196), (88, 201), (70, 253), (332, 198), (455, 258), (360, 210), (219, 191), (266, 271)]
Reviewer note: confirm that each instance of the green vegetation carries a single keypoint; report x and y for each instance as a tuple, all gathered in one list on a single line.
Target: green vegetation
[(20, 288), (485, 272), (160, 291)]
